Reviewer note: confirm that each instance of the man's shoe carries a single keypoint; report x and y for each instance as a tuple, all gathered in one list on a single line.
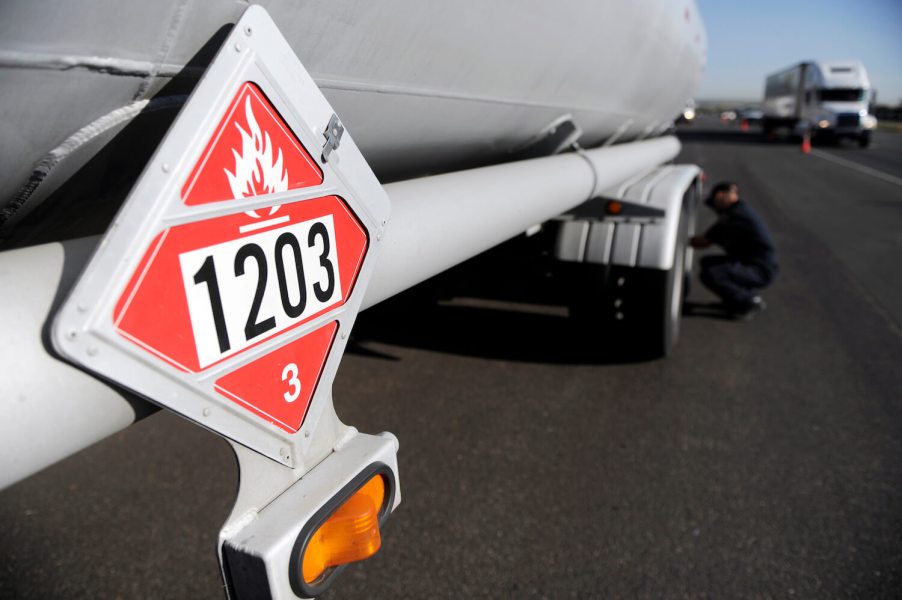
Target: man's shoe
[(751, 310)]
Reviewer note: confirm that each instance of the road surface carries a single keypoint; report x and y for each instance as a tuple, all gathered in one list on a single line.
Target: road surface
[(764, 459)]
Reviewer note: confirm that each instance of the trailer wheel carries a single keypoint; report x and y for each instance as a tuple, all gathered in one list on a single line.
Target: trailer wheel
[(634, 312)]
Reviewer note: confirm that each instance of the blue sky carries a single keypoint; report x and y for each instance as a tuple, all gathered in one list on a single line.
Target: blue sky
[(749, 39)]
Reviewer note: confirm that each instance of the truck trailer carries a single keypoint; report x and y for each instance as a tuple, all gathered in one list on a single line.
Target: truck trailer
[(829, 100), (199, 198)]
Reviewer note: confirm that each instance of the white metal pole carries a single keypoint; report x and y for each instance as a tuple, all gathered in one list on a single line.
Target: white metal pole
[(440, 221)]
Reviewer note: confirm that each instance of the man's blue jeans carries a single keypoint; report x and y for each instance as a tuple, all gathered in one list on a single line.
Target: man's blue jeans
[(735, 282)]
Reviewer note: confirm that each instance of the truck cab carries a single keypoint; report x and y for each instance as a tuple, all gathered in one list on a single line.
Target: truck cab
[(836, 100), (828, 99)]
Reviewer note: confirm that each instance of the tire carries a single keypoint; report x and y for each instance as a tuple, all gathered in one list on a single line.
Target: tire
[(663, 330), (864, 140)]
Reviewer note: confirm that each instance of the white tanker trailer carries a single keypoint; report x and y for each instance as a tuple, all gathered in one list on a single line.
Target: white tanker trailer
[(161, 158)]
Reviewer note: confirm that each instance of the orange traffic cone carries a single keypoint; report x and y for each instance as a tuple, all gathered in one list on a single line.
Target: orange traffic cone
[(744, 125), (806, 142)]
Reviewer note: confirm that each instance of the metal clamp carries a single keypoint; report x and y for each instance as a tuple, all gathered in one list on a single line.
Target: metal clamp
[(333, 133)]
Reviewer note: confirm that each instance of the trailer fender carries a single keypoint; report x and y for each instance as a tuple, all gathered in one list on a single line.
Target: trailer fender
[(633, 240)]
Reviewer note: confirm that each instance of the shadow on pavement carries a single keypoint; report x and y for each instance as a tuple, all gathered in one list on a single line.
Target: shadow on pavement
[(707, 310), (470, 331), (725, 136), (504, 304)]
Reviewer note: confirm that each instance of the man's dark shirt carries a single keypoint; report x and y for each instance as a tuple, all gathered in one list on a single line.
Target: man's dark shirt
[(744, 236)]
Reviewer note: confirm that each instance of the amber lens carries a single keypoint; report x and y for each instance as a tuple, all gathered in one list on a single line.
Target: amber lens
[(350, 534)]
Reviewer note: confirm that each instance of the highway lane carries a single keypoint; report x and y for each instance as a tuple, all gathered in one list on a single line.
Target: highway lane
[(884, 155), (762, 460), (856, 214)]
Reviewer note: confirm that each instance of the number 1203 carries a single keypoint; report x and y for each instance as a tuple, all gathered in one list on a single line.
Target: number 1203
[(233, 297)]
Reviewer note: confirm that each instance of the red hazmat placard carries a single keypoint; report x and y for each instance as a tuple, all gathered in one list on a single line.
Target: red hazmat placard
[(211, 289)]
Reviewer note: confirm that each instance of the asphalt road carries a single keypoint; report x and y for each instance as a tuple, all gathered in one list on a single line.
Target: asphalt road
[(764, 459)]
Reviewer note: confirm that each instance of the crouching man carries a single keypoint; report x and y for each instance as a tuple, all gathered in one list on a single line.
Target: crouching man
[(750, 260)]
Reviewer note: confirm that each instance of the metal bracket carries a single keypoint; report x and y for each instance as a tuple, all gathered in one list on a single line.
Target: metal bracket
[(254, 72), (554, 138), (333, 133)]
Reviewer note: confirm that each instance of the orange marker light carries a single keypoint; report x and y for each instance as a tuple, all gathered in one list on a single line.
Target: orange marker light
[(613, 207), (350, 534)]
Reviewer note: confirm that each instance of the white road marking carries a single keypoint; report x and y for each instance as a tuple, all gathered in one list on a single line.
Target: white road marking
[(860, 168)]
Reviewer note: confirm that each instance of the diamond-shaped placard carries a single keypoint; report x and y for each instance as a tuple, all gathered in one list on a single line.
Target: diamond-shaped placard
[(227, 285)]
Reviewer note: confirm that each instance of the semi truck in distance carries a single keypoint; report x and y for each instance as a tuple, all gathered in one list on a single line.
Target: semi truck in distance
[(827, 99), (198, 197)]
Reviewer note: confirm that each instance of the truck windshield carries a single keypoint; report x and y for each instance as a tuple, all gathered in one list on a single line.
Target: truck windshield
[(842, 94)]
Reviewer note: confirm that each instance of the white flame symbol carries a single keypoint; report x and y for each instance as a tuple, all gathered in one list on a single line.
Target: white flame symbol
[(256, 173)]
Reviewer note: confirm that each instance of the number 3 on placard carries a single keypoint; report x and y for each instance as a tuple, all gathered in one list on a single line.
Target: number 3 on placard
[(290, 374)]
